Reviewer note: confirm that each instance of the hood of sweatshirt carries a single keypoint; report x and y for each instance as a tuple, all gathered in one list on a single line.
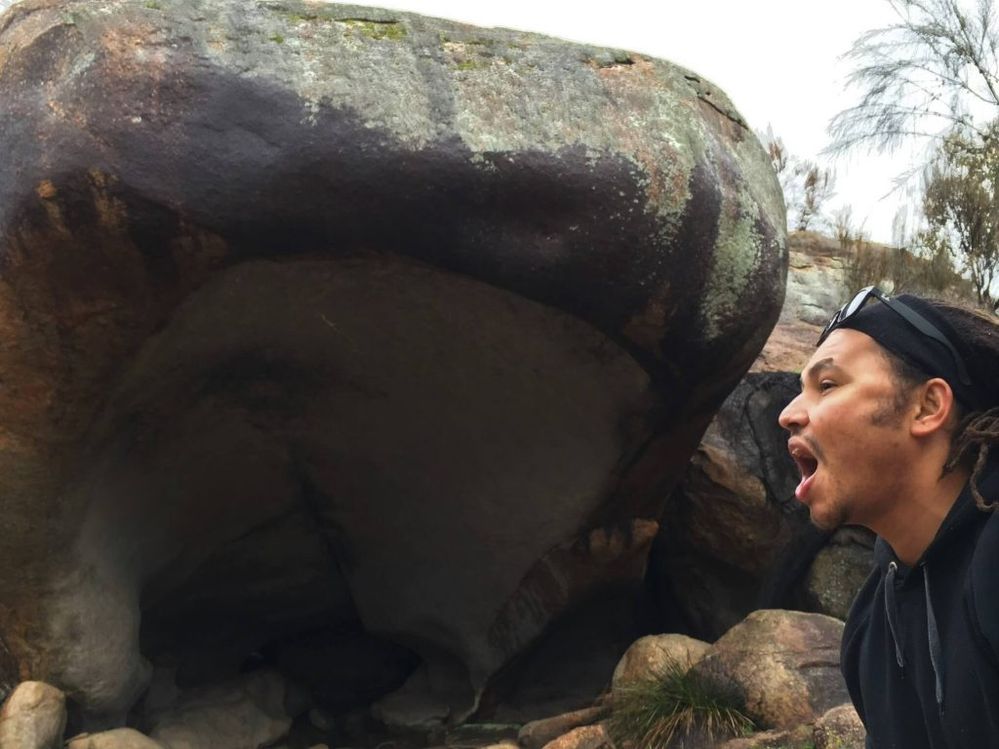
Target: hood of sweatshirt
[(963, 513)]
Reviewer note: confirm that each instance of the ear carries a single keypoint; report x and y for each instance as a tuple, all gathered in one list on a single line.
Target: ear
[(934, 407)]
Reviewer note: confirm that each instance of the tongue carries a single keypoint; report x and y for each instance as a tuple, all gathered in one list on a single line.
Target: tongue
[(803, 487)]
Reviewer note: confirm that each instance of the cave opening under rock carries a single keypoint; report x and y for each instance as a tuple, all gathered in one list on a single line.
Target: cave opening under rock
[(343, 469)]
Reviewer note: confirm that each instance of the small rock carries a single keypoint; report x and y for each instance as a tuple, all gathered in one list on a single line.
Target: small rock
[(119, 738), (799, 737), (245, 712), (584, 737), (33, 717), (648, 656), (412, 707), (538, 733), (476, 734), (840, 728)]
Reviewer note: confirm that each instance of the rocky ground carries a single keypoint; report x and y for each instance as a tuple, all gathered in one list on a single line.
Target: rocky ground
[(785, 665)]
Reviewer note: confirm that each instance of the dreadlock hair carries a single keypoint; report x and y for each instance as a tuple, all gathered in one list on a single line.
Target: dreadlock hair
[(978, 342)]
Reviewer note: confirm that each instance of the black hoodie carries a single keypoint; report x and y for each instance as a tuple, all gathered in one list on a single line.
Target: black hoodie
[(920, 645)]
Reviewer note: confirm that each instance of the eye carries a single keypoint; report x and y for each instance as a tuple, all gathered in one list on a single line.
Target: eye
[(825, 385)]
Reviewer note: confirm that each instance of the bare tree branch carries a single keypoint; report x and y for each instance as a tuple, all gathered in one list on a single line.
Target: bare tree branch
[(936, 64)]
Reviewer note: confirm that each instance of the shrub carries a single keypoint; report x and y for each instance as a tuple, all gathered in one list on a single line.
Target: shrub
[(919, 268), (674, 703)]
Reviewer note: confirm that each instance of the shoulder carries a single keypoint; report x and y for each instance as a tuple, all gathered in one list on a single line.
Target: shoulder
[(982, 589), (985, 561)]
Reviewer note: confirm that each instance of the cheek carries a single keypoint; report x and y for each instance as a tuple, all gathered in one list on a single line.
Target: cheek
[(832, 420), (845, 435)]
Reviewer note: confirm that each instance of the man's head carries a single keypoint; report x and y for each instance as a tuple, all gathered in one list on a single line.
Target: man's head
[(881, 403), (915, 332)]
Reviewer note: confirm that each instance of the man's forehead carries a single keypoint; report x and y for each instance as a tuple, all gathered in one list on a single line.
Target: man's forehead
[(843, 347)]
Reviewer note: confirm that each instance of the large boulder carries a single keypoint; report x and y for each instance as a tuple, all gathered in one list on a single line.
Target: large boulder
[(783, 665), (320, 317)]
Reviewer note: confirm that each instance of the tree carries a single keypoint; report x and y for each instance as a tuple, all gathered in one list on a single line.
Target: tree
[(934, 75), (806, 186), (961, 206), (816, 187), (933, 71), (842, 223)]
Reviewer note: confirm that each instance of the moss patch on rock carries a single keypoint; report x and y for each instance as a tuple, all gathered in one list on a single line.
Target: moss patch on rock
[(391, 30)]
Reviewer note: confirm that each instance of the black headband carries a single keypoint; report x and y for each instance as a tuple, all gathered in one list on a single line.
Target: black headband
[(931, 357)]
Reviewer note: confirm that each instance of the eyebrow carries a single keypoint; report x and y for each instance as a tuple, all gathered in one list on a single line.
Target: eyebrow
[(816, 369)]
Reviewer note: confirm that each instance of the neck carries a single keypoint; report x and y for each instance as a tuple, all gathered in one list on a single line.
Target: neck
[(912, 521)]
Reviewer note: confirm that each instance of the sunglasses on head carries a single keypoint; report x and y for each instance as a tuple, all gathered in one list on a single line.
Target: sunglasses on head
[(908, 314)]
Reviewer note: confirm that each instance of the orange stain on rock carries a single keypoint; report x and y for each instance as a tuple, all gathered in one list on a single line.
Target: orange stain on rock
[(46, 190)]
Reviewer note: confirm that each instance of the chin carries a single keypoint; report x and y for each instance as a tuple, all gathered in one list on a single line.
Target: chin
[(826, 519)]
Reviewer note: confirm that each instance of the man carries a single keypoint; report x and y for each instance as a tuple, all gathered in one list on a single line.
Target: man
[(892, 431)]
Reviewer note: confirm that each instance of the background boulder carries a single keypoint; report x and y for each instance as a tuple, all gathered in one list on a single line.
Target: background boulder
[(733, 531), (734, 538)]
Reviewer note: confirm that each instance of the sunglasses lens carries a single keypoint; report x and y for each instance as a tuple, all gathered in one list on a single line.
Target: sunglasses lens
[(848, 310), (830, 325), (856, 303)]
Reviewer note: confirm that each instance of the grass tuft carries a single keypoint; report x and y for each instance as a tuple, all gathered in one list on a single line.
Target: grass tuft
[(675, 703)]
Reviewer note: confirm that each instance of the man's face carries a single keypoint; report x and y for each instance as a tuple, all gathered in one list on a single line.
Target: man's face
[(848, 435)]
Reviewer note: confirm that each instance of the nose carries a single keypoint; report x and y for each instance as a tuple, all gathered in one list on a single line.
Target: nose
[(795, 415)]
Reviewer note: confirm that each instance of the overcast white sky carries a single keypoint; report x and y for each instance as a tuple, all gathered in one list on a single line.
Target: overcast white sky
[(778, 60)]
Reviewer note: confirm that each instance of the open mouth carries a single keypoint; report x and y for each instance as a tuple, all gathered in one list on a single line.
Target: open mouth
[(807, 464)]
